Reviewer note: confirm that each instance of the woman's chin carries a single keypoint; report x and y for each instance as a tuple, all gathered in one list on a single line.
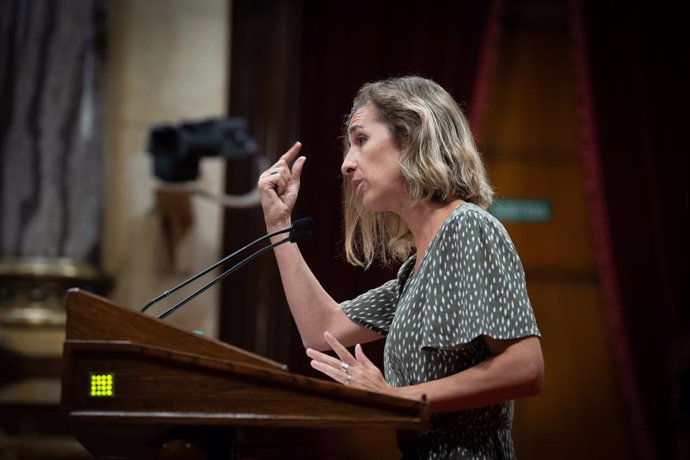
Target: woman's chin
[(373, 205)]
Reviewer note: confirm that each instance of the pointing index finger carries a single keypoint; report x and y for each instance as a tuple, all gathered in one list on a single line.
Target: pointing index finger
[(291, 153)]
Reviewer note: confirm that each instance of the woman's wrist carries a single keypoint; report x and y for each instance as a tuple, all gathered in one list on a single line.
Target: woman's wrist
[(274, 226), (410, 392)]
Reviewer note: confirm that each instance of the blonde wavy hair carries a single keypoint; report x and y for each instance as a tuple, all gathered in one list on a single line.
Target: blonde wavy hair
[(439, 162)]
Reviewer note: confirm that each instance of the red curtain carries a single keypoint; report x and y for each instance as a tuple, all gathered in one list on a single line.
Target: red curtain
[(632, 62)]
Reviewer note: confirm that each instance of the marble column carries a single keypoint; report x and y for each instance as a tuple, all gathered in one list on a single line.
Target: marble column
[(51, 129)]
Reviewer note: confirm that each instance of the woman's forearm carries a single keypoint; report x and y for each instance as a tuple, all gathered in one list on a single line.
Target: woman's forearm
[(312, 308), (515, 372)]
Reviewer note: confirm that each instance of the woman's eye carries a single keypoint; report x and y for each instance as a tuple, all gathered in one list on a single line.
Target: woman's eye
[(361, 140)]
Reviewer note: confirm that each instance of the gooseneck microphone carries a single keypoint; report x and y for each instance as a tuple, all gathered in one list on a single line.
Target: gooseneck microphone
[(300, 229)]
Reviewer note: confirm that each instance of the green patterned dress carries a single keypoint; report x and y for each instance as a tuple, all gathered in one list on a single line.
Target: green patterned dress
[(470, 284)]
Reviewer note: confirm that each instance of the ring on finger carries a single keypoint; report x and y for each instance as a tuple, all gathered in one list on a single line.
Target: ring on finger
[(274, 172), (345, 367)]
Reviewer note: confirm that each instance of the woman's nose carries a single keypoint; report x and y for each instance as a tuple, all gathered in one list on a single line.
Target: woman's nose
[(349, 164)]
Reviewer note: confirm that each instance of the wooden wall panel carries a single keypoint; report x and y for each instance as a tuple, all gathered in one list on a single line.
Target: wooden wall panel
[(578, 415), (564, 243)]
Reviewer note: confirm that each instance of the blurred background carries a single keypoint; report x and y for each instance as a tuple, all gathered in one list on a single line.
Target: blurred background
[(132, 133)]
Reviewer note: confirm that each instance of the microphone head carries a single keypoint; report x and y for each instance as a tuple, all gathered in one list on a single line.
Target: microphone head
[(301, 228)]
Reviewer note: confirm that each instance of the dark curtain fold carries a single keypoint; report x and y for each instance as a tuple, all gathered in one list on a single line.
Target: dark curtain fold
[(345, 44), (637, 59)]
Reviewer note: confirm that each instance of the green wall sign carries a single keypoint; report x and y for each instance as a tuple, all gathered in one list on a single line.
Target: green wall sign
[(521, 210)]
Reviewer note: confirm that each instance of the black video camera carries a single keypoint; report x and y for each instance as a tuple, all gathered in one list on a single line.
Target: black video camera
[(177, 150)]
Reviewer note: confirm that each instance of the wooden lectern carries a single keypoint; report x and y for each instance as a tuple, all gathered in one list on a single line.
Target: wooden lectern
[(136, 387)]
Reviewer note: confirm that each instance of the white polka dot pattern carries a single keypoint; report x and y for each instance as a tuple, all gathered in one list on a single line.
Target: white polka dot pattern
[(471, 283)]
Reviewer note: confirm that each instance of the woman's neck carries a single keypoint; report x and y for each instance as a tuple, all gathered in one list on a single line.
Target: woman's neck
[(424, 220)]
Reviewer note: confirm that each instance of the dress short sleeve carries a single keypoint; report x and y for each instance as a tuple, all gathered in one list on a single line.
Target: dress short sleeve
[(474, 284), (375, 309)]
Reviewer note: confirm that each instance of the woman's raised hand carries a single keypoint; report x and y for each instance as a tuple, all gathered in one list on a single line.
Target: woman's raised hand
[(279, 186)]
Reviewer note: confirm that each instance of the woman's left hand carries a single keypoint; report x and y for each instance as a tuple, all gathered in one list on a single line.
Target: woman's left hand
[(355, 371)]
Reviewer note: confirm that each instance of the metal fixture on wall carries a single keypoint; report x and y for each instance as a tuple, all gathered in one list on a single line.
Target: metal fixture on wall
[(32, 322)]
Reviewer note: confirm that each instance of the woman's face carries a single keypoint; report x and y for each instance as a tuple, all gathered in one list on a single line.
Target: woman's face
[(372, 162)]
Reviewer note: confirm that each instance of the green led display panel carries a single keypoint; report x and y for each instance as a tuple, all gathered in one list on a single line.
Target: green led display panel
[(102, 385)]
